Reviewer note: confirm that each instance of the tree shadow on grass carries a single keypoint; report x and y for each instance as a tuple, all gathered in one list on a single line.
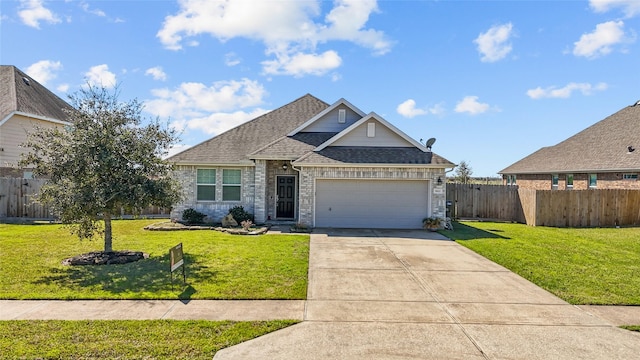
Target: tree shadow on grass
[(148, 276), (466, 232)]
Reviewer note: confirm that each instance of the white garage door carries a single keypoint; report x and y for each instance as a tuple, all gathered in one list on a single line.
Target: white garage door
[(392, 204)]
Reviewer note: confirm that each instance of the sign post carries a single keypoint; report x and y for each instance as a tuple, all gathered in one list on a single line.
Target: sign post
[(177, 261)]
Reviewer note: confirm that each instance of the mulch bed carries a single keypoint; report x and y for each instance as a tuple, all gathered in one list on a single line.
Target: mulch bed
[(106, 258)]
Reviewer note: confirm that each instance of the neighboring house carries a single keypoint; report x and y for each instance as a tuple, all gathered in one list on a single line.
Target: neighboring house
[(317, 164), (605, 155), (24, 104)]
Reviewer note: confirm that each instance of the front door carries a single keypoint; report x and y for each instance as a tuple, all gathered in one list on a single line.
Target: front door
[(286, 197)]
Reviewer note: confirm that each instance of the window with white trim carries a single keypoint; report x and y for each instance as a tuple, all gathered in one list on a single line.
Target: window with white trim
[(569, 181), (593, 180), (206, 184), (554, 181), (630, 176), (231, 184)]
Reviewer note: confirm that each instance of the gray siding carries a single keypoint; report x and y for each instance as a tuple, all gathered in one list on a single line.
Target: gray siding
[(329, 123), (384, 137)]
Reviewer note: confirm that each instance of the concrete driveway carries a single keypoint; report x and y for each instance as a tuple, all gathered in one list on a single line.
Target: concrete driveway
[(388, 294)]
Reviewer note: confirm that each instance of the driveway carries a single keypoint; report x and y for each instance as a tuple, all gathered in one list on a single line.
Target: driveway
[(388, 294)]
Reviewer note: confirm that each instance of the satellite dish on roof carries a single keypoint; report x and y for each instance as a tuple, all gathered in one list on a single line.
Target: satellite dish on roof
[(430, 143)]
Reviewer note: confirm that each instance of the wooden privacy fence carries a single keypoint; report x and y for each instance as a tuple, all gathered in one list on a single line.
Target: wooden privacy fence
[(574, 208), (17, 200)]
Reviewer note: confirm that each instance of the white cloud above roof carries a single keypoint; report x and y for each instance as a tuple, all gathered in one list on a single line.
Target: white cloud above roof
[(32, 12), (44, 71), (630, 8), (600, 41), (471, 105), (408, 109), (100, 75), (208, 108), (494, 45), (566, 91), (156, 73), (288, 30)]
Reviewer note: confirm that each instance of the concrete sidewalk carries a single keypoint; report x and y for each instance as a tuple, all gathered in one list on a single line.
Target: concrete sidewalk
[(398, 294), (239, 310)]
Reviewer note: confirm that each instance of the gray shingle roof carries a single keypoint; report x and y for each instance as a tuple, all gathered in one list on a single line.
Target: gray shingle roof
[(372, 155), (236, 144), (600, 147), (28, 96), (292, 147)]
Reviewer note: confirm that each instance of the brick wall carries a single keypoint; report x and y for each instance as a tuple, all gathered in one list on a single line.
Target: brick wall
[(611, 180), (215, 210)]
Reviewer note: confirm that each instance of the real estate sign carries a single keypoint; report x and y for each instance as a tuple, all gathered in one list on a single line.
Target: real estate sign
[(177, 260)]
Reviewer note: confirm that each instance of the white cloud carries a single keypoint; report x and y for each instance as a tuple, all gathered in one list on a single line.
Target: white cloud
[(566, 91), (303, 64), (600, 41), (33, 12), (87, 9), (288, 29), (100, 75), (630, 8), (211, 109), (408, 109), (471, 105), (44, 71), (157, 73), (218, 123), (494, 45), (63, 88), (231, 59)]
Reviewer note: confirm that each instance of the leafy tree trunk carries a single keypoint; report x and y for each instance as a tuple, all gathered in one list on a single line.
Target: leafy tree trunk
[(108, 246)]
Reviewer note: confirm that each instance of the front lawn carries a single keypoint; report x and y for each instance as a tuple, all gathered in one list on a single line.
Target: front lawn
[(219, 265), (582, 266), (130, 339)]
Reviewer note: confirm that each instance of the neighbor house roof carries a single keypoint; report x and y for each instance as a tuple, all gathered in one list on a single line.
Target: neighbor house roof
[(602, 147), (21, 94), (235, 145)]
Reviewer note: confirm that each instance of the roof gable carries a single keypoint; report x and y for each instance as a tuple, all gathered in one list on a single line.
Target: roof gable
[(21, 94), (235, 145), (329, 120), (385, 135), (600, 147)]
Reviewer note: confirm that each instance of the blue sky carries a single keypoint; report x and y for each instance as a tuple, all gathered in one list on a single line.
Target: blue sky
[(492, 81)]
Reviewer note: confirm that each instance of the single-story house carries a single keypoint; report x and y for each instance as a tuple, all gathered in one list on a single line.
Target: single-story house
[(24, 104), (605, 155), (315, 164)]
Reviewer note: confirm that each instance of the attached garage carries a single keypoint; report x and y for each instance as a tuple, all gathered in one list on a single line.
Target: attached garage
[(393, 204)]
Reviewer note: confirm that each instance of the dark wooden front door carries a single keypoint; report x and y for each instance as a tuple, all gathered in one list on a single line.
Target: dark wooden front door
[(285, 208)]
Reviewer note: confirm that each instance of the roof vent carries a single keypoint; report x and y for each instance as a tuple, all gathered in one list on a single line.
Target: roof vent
[(26, 81)]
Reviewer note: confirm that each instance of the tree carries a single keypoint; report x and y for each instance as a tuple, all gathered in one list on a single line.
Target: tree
[(463, 172), (103, 162)]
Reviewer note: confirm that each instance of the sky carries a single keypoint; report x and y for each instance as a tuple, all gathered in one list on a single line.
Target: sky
[(492, 81)]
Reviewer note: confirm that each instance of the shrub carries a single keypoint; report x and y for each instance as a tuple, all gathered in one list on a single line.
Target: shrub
[(191, 216), (240, 215)]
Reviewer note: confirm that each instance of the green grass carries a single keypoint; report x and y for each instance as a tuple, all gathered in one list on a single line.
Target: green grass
[(149, 339), (582, 266), (219, 265), (632, 328)]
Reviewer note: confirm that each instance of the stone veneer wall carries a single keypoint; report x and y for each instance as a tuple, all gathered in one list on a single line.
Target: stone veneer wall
[(215, 210), (309, 175)]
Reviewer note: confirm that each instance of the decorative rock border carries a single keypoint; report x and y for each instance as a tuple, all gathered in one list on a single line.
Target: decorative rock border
[(175, 226)]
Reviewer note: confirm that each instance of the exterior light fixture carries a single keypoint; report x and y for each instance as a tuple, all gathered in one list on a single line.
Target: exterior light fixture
[(439, 181), (284, 166)]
